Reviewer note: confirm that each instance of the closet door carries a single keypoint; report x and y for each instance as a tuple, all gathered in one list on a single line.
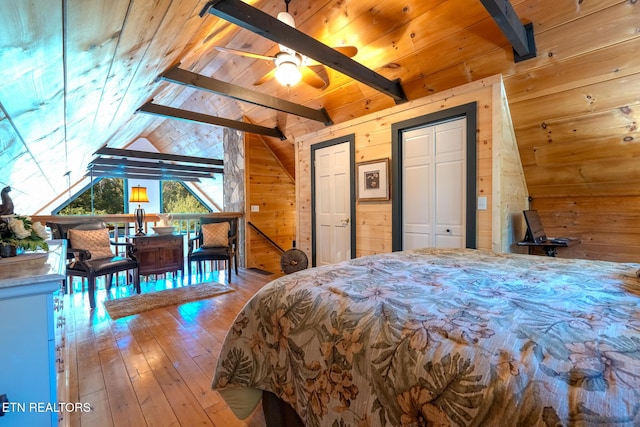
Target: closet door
[(434, 185), (417, 191)]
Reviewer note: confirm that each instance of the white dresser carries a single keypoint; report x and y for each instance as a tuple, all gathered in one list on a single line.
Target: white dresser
[(27, 338)]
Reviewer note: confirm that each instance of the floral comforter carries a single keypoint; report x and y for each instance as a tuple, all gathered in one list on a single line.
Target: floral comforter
[(444, 338)]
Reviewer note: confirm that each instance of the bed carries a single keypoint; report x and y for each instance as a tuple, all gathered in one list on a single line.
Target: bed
[(439, 337)]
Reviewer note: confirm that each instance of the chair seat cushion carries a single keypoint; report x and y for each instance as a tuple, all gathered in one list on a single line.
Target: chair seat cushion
[(215, 234), (220, 252), (105, 265), (97, 242)]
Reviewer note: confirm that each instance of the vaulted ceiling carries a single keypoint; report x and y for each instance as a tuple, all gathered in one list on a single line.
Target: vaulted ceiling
[(75, 74)]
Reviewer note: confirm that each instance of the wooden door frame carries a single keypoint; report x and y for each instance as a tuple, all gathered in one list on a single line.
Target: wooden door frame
[(350, 139), (468, 111)]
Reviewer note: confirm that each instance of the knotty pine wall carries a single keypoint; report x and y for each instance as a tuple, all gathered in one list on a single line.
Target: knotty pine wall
[(499, 173), (575, 114), (607, 226), (272, 189)]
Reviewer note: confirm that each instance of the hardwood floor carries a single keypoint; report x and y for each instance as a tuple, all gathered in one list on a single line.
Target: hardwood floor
[(153, 368)]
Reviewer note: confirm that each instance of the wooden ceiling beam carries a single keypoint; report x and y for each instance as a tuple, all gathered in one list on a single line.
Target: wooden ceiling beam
[(117, 152), (104, 161), (142, 171), (198, 81), (133, 173), (140, 176), (520, 36), (192, 116), (265, 25), (129, 169), (145, 177)]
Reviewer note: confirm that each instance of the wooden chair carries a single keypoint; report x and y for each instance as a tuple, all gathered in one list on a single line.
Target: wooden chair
[(81, 263), (202, 249)]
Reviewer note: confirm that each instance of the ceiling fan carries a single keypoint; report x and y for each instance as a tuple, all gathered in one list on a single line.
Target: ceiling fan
[(291, 67)]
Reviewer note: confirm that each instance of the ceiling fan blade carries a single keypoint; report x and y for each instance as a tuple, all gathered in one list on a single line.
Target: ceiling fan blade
[(315, 76), (349, 51), (244, 53), (271, 74)]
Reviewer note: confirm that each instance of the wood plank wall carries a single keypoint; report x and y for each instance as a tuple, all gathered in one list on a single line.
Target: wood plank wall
[(373, 141), (607, 226), (272, 189), (508, 183), (575, 110)]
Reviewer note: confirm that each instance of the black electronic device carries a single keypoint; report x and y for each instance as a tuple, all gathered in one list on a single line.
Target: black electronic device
[(535, 231), (536, 236)]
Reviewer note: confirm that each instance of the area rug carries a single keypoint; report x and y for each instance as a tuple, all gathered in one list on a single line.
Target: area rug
[(122, 307)]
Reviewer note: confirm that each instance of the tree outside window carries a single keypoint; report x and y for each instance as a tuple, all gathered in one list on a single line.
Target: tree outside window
[(108, 199)]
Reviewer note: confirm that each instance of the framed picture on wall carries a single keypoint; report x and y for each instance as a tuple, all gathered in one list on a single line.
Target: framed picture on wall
[(373, 180)]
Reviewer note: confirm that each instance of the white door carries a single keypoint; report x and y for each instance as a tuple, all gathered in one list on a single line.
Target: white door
[(333, 204), (434, 186)]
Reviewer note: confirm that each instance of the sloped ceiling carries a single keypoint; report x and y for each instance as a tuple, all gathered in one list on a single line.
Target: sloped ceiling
[(75, 72)]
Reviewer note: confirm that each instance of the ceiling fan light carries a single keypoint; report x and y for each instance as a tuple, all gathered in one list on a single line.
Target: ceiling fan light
[(288, 73)]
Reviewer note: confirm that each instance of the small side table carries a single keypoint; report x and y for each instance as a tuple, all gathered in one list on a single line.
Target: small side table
[(549, 246), (159, 253)]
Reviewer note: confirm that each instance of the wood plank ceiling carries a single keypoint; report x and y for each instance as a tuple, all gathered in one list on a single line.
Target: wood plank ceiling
[(75, 73)]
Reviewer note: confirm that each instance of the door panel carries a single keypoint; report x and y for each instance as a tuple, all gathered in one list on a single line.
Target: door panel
[(434, 185), (417, 212), (450, 190), (324, 240), (417, 180), (333, 204), (341, 212), (449, 204)]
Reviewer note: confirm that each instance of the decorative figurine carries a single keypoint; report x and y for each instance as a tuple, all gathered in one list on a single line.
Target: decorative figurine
[(6, 208)]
